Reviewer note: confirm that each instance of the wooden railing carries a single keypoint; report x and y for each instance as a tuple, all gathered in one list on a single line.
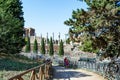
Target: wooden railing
[(44, 71)]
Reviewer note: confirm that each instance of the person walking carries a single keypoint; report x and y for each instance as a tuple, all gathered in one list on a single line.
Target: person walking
[(66, 62)]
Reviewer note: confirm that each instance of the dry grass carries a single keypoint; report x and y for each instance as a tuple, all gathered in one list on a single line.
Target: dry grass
[(13, 64)]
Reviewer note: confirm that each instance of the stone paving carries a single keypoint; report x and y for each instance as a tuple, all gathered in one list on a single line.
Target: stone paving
[(62, 73)]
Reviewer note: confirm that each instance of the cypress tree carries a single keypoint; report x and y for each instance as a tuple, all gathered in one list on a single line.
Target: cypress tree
[(35, 47), (42, 46), (11, 26), (27, 47), (61, 48), (48, 41), (51, 49)]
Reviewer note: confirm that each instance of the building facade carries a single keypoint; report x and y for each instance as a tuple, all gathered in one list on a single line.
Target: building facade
[(29, 32)]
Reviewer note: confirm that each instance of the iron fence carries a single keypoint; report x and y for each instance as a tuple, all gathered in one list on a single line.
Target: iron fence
[(106, 69)]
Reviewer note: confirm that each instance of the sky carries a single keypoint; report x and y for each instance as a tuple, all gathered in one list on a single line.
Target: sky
[(48, 16)]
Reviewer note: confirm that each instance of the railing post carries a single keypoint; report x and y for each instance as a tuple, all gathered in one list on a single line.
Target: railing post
[(45, 71), (32, 75), (40, 74), (50, 70)]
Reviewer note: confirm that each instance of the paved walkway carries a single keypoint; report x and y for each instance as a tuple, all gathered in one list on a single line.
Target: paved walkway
[(62, 73)]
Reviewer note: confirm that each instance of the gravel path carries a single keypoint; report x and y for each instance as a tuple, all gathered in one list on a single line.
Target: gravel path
[(62, 73)]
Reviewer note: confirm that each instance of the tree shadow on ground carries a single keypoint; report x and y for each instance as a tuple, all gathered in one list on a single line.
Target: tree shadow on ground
[(63, 73)]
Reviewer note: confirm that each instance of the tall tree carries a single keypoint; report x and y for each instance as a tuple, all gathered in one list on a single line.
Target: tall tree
[(101, 22), (11, 26), (48, 41), (28, 47), (35, 47), (68, 41), (51, 47), (61, 48), (42, 48)]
